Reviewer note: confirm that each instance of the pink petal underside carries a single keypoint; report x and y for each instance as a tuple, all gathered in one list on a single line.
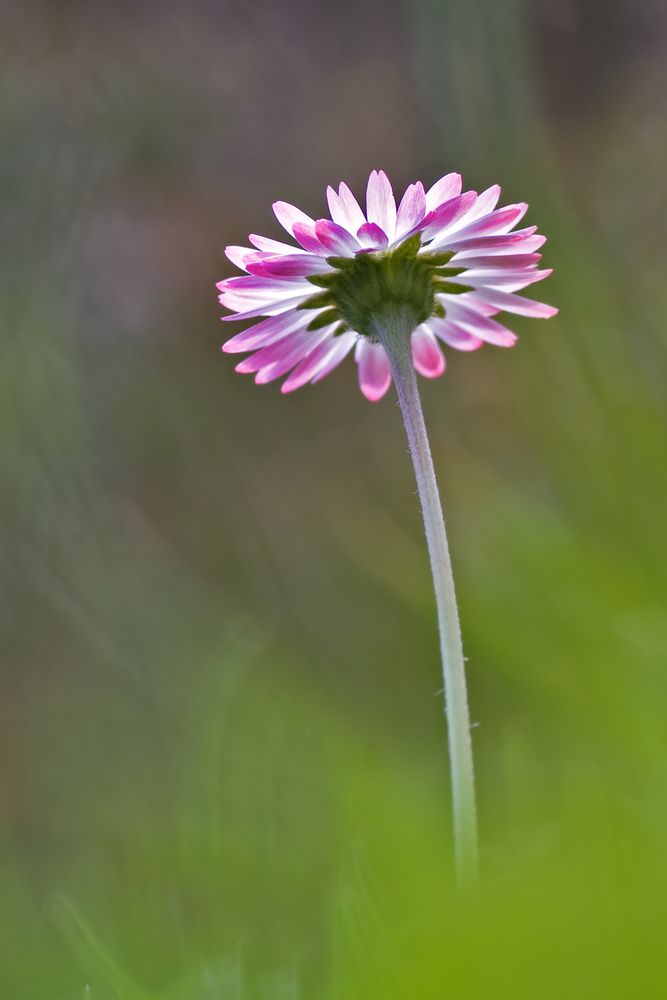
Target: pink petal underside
[(243, 305), (454, 336), (307, 237), (295, 344), (267, 305), (308, 365), (288, 216), (445, 215), (266, 332), (427, 357), (485, 204), (380, 202), (323, 359), (511, 281), (251, 286), (274, 247), (479, 207), (288, 358), (351, 215), (497, 223), (273, 309), (472, 299), (509, 302), (374, 371), (286, 266), (447, 187), (242, 256), (348, 340), (372, 237), (481, 326), (335, 238), (412, 209), (347, 217), (511, 243), (518, 261)]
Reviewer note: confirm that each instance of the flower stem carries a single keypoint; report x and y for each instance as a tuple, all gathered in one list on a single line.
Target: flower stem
[(394, 334)]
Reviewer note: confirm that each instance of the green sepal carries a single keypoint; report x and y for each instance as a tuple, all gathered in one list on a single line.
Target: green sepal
[(341, 262), (439, 310), (450, 272), (317, 301), (322, 280), (438, 259), (324, 319), (410, 248), (451, 288)]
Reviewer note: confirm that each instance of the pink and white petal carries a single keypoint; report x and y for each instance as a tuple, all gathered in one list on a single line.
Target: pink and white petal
[(454, 336), (497, 223), (511, 281), (289, 215), (270, 355), (347, 342), (309, 365), (307, 237), (319, 361), (372, 237), (336, 212), (427, 357), (274, 247), (380, 202), (526, 231), (231, 284), (335, 238), (439, 222), (447, 187), (274, 309), (485, 204), (411, 211), (289, 358), (374, 372), (509, 302), (511, 243), (239, 303), (345, 214), (241, 256), (479, 207), (266, 332), (287, 266), (509, 262), (351, 215), (480, 326), (264, 306), (275, 293), (259, 286), (295, 344)]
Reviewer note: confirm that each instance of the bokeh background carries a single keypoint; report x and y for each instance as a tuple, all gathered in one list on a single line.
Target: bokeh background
[(222, 766)]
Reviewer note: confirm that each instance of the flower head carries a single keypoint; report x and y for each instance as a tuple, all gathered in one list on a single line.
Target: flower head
[(451, 261)]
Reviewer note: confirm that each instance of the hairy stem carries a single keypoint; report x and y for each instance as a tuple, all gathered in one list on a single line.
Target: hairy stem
[(394, 334)]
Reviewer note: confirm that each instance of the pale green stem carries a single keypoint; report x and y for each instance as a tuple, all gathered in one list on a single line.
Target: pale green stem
[(394, 333)]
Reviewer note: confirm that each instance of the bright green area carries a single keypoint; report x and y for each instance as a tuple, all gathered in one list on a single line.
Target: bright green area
[(223, 771)]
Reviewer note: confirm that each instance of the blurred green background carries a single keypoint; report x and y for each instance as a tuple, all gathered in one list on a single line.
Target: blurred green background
[(222, 768)]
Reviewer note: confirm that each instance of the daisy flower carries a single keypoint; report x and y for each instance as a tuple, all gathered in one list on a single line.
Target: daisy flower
[(392, 285), (451, 260)]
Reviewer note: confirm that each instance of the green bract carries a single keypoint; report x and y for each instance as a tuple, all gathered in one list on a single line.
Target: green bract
[(360, 289)]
